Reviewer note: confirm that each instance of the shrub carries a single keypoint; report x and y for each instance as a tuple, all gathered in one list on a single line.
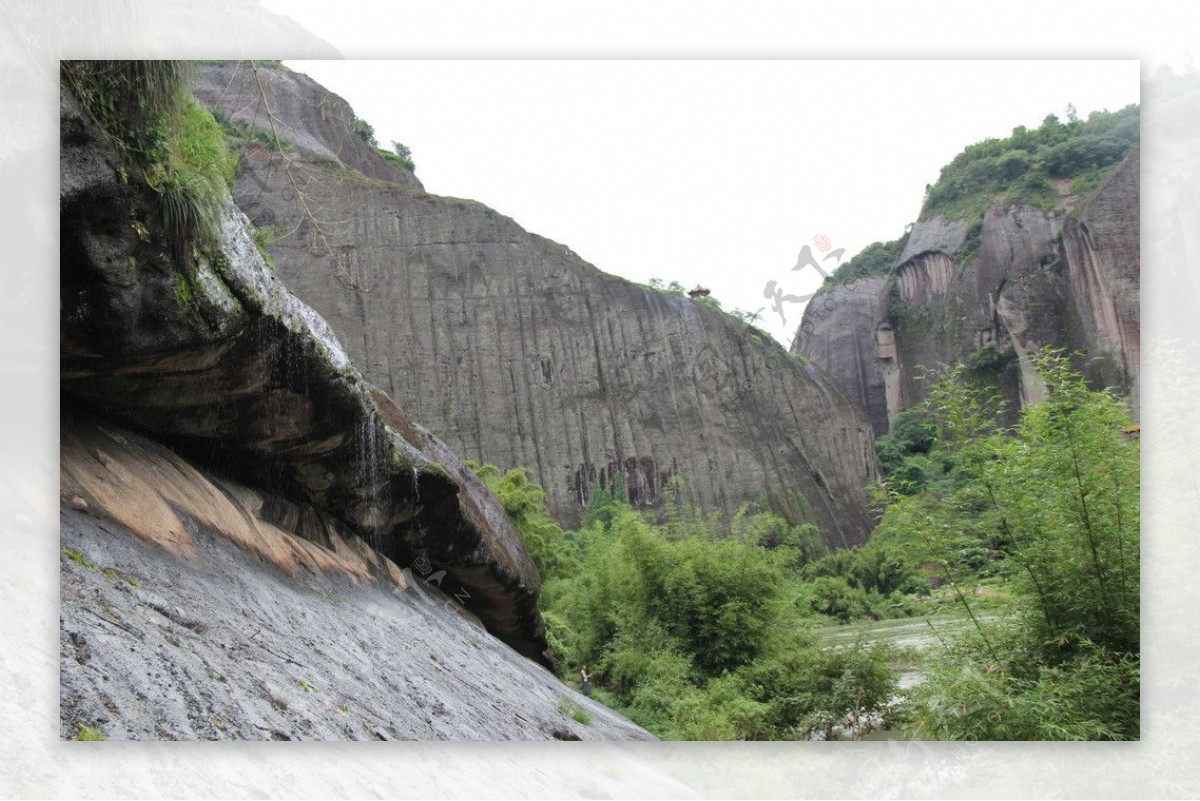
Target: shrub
[(1020, 167), (192, 174), (525, 502), (1058, 497), (878, 258), (176, 146), (364, 131)]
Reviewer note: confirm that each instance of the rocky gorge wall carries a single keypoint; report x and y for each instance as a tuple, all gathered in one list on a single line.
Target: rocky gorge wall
[(515, 351), (193, 607), (223, 364), (1023, 279)]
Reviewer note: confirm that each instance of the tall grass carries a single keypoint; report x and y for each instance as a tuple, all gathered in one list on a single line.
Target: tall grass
[(169, 141)]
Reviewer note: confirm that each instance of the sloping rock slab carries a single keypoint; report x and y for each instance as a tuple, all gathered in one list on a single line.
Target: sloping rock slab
[(223, 362)]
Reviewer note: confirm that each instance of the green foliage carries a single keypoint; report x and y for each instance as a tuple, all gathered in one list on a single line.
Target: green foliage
[(990, 359), (910, 432), (192, 173), (714, 608), (401, 154), (88, 733), (78, 558), (603, 504), (1091, 695), (673, 288), (577, 713), (1057, 499), (1021, 167), (364, 131), (713, 599), (833, 597), (971, 242), (176, 146), (127, 99), (692, 634), (769, 530), (910, 317), (525, 502), (878, 258), (239, 132), (266, 236)]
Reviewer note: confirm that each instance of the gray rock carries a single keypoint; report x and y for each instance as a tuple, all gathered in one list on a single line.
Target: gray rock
[(1102, 245), (515, 351), (1067, 278), (840, 332), (221, 361), (219, 646)]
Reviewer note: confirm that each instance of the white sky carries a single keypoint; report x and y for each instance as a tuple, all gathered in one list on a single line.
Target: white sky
[(711, 172)]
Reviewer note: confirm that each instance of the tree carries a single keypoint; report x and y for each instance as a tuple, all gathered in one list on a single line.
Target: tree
[(1061, 498)]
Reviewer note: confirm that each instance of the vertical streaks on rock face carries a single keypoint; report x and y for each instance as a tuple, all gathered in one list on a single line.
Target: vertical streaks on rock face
[(843, 332), (1032, 278), (222, 361), (1102, 250), (515, 351)]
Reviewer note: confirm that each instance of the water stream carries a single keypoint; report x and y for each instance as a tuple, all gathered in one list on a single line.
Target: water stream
[(921, 636)]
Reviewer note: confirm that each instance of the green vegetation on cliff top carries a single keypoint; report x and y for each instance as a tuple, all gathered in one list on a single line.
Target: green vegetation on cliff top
[(1030, 166), (877, 258), (1023, 166)]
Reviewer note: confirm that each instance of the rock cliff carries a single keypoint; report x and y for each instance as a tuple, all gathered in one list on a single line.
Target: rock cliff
[(1021, 279), (515, 351), (194, 607), (222, 363)]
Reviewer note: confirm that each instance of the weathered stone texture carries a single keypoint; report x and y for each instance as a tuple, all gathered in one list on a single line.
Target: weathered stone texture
[(515, 351), (1066, 278), (222, 361)]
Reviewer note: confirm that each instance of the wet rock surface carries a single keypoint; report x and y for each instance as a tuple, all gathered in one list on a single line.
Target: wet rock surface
[(220, 360), (515, 351), (225, 645)]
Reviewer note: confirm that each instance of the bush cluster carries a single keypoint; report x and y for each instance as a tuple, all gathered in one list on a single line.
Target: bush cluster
[(1021, 166), (1055, 501), (694, 627), (169, 142)]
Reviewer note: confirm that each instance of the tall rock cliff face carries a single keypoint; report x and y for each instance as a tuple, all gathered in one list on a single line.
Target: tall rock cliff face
[(1102, 250), (515, 351), (221, 362), (839, 332), (1024, 279)]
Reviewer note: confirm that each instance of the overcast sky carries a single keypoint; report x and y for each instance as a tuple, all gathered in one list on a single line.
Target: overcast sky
[(709, 172)]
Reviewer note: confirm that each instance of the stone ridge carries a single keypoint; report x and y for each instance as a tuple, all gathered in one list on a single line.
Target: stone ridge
[(1066, 278), (223, 362), (515, 351), (289, 104)]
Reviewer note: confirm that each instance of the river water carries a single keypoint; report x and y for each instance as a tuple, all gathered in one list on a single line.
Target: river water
[(921, 637)]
